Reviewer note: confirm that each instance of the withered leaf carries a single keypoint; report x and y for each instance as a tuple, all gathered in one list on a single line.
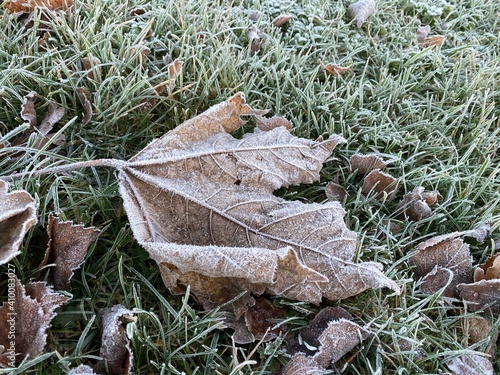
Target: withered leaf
[(28, 113), (416, 203), (93, 68), (361, 10), (258, 323), (489, 270), (17, 215), (477, 328), (221, 229), (378, 182), (334, 70), (335, 192), (444, 252), (363, 164), (281, 20), (320, 322), (266, 123), (422, 32), (254, 36), (82, 370), (470, 364), (28, 318), (85, 98), (67, 246), (117, 357), (53, 115), (174, 71), (301, 364), (433, 41), (26, 6), (484, 294)]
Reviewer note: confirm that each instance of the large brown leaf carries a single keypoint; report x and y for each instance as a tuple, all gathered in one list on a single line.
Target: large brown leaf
[(201, 202)]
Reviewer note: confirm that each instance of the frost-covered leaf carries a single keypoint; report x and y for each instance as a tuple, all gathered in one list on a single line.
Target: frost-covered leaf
[(254, 36), (66, 249), (470, 364), (489, 270), (334, 70), (27, 316), (484, 294), (437, 257), (361, 10), (363, 164), (85, 98), (82, 370), (377, 182), (222, 231), (281, 19), (26, 6), (28, 113), (416, 204), (117, 357), (301, 364), (266, 123), (17, 215), (335, 192)]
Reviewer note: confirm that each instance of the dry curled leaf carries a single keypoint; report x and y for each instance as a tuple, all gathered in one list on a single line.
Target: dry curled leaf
[(335, 192), (489, 270), (320, 322), (82, 370), (361, 10), (422, 32), (17, 215), (85, 98), (116, 354), (440, 258), (470, 364), (26, 6), (477, 328), (66, 249), (174, 71), (363, 164), (379, 183), (301, 364), (281, 20), (28, 112), (432, 41), (223, 232), (416, 203), (93, 67), (334, 70), (27, 317), (266, 123), (254, 36), (484, 294)]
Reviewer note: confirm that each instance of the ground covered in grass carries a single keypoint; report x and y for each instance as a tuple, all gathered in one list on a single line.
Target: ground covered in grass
[(433, 110)]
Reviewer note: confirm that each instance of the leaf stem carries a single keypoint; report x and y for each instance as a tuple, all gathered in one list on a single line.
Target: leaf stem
[(115, 163)]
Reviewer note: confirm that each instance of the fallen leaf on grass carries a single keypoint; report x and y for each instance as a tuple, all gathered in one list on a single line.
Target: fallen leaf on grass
[(470, 364), (281, 20), (320, 322), (66, 249), (432, 41), (301, 364), (82, 370), (85, 98), (174, 71), (334, 70), (335, 192), (441, 257), (266, 123), (489, 270), (484, 294), (363, 164), (26, 6), (93, 67), (17, 215), (361, 10), (254, 36), (27, 316), (416, 203), (28, 112), (477, 328), (378, 183), (115, 345), (422, 32), (221, 229)]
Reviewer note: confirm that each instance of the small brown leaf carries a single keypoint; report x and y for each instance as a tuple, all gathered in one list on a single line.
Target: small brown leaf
[(254, 36), (27, 317), (67, 247), (254, 16), (93, 67), (363, 164), (416, 203), (477, 328), (334, 70), (28, 112), (117, 357), (320, 322), (437, 279), (379, 183), (17, 215), (470, 364), (360, 11), (26, 6), (484, 294), (432, 41), (85, 97), (53, 115), (335, 192), (174, 71), (489, 270), (266, 123), (82, 370), (444, 252), (422, 32), (281, 20)]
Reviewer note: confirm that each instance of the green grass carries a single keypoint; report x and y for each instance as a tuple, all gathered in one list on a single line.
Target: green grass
[(435, 111)]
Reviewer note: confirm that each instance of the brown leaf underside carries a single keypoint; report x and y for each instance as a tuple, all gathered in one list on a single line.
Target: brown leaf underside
[(200, 201)]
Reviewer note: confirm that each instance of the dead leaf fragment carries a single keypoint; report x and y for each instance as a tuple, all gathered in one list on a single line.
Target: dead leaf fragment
[(470, 364), (489, 270), (320, 322), (66, 249), (484, 294), (282, 19), (422, 32), (116, 354), (301, 364), (93, 67), (85, 98), (28, 318), (378, 182), (17, 215), (28, 112), (335, 192), (363, 164), (334, 70), (416, 203), (434, 41), (266, 123), (360, 11), (477, 328), (52, 117), (254, 36), (174, 71), (223, 231), (444, 252), (27, 6), (82, 370)]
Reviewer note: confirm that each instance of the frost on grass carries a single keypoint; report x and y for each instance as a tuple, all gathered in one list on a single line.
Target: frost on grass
[(201, 202)]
